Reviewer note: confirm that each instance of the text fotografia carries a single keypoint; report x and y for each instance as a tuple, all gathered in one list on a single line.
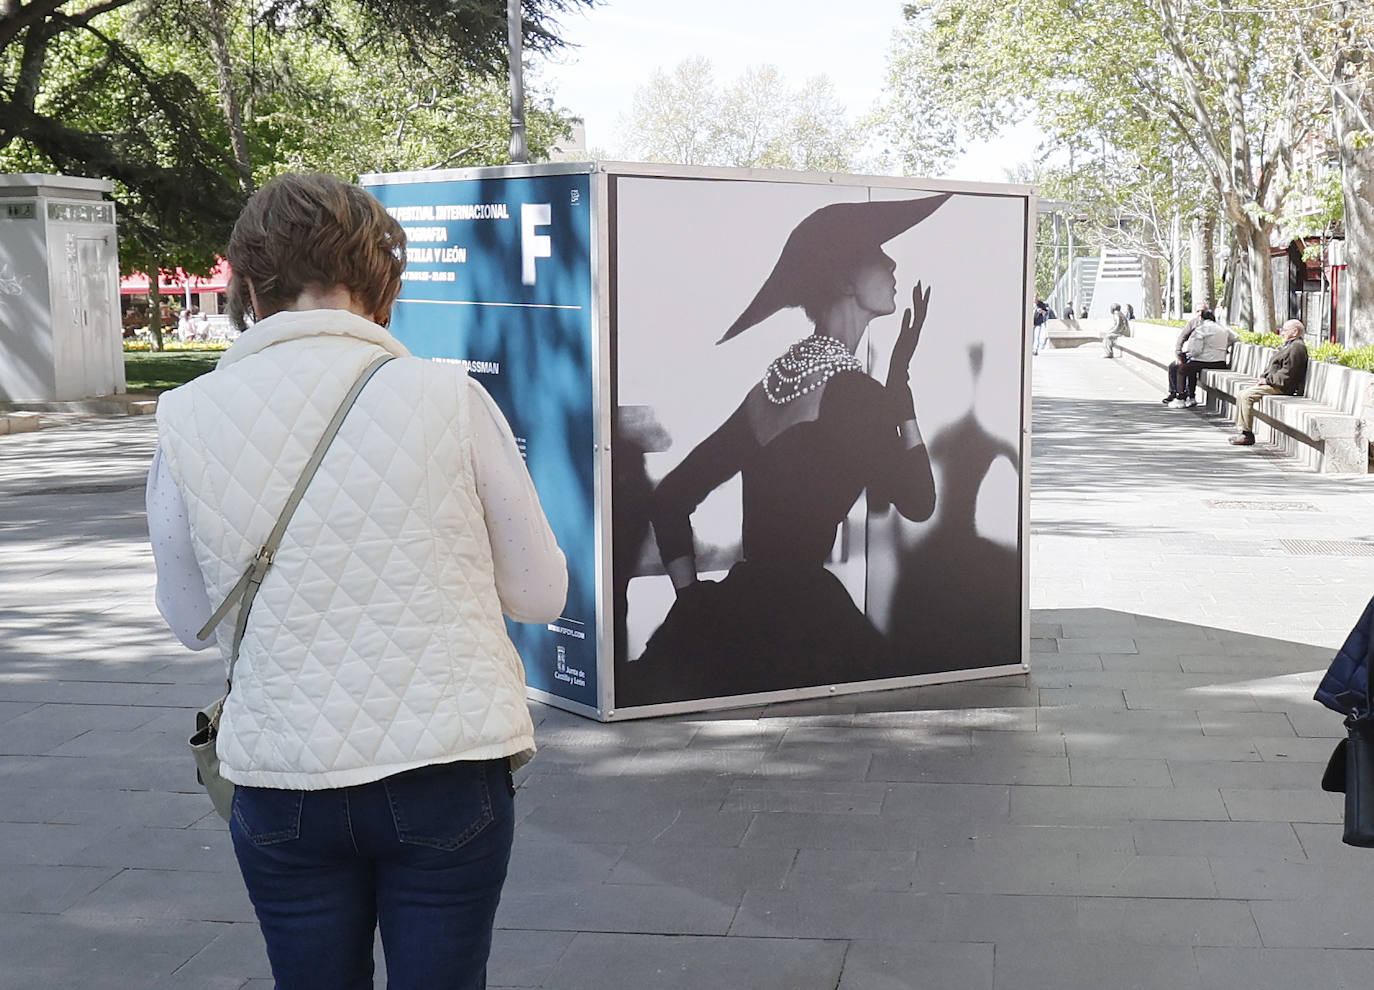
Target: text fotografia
[(450, 211)]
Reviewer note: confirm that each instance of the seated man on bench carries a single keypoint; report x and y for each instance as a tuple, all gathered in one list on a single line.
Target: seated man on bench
[(1286, 375), (1175, 369), (1206, 347)]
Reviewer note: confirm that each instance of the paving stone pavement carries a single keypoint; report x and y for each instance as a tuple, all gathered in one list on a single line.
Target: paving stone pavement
[(1140, 810)]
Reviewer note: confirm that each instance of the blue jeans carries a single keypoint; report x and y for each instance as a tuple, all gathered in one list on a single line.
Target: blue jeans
[(423, 854)]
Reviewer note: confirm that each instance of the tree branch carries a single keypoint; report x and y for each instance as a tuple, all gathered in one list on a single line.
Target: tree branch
[(16, 19), (1188, 72)]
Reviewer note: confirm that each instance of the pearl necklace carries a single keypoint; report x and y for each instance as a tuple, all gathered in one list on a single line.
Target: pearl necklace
[(806, 366)]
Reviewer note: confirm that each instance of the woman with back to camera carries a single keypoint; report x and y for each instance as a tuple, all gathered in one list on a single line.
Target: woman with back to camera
[(808, 440), (377, 706)]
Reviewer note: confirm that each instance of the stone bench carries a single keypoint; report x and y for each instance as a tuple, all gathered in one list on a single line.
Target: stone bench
[(1324, 429), (1076, 333), (1322, 436), (18, 422)]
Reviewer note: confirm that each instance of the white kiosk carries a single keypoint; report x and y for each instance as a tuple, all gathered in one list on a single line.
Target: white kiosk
[(60, 337)]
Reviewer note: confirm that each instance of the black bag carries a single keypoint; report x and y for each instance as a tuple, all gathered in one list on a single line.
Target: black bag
[(1351, 767)]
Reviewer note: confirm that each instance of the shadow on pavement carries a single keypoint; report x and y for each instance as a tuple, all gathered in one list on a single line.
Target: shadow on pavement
[(1142, 767)]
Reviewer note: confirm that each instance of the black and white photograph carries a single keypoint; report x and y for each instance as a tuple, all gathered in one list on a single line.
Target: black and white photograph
[(816, 429)]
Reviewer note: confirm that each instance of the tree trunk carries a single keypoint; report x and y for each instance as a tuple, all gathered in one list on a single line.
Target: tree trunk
[(1261, 277), (1176, 267), (228, 98), (1240, 310), (1353, 92), (1357, 176), (155, 306), (1200, 257), (1151, 290), (1207, 263)]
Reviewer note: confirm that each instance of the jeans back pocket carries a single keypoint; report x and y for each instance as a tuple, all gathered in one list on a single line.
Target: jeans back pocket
[(443, 806), (268, 815)]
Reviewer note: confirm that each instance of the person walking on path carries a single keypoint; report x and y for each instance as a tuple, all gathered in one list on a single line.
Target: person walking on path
[(1286, 375), (1206, 347), (377, 706), (1041, 334), (1121, 327)]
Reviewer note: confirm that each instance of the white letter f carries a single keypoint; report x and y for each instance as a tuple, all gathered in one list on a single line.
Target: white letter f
[(533, 245)]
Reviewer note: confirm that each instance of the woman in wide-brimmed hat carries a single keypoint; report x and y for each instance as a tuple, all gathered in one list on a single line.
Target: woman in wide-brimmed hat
[(808, 440)]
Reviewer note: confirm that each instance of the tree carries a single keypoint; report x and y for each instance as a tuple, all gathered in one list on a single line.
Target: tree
[(1352, 93), (114, 89), (816, 135), (756, 121), (915, 120), (309, 106), (746, 117), (79, 98), (673, 116), (1138, 75)]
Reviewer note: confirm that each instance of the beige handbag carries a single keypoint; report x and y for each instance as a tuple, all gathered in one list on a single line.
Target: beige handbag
[(202, 741)]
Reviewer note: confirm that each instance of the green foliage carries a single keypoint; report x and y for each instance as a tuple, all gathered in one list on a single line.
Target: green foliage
[(916, 120), (142, 346), (129, 90), (1359, 358), (1326, 189), (1327, 351), (1157, 110), (157, 372), (86, 99), (315, 109), (468, 35)]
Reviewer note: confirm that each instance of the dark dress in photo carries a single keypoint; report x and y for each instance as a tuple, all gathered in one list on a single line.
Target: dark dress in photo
[(779, 619)]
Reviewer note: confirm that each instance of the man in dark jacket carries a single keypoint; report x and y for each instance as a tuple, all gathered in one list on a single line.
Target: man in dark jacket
[(1286, 375)]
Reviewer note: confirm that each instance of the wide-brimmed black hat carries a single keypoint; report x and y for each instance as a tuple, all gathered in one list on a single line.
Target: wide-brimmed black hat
[(831, 239)]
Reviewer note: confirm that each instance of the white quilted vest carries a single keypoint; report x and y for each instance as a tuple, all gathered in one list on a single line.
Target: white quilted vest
[(376, 643)]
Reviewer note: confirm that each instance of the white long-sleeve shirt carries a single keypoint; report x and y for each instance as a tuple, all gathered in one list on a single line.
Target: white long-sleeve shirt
[(531, 572), (1209, 342)]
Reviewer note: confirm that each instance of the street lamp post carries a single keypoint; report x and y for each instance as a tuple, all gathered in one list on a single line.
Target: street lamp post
[(519, 151)]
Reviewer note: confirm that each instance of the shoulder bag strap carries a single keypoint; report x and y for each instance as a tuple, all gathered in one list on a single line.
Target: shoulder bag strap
[(247, 587)]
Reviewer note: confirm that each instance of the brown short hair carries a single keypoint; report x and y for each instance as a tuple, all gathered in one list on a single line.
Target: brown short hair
[(302, 231)]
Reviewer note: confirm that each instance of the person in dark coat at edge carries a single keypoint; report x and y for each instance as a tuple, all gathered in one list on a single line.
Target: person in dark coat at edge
[(808, 440), (1286, 375), (1344, 688)]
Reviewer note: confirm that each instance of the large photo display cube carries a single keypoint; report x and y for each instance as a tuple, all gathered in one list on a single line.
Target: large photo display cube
[(778, 421)]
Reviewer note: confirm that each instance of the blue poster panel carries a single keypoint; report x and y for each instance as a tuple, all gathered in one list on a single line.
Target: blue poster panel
[(498, 278)]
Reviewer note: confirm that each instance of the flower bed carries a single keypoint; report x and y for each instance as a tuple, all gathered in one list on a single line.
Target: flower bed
[(144, 345), (1359, 358)]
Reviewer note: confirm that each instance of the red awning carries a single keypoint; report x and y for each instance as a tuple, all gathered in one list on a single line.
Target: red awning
[(177, 281)]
